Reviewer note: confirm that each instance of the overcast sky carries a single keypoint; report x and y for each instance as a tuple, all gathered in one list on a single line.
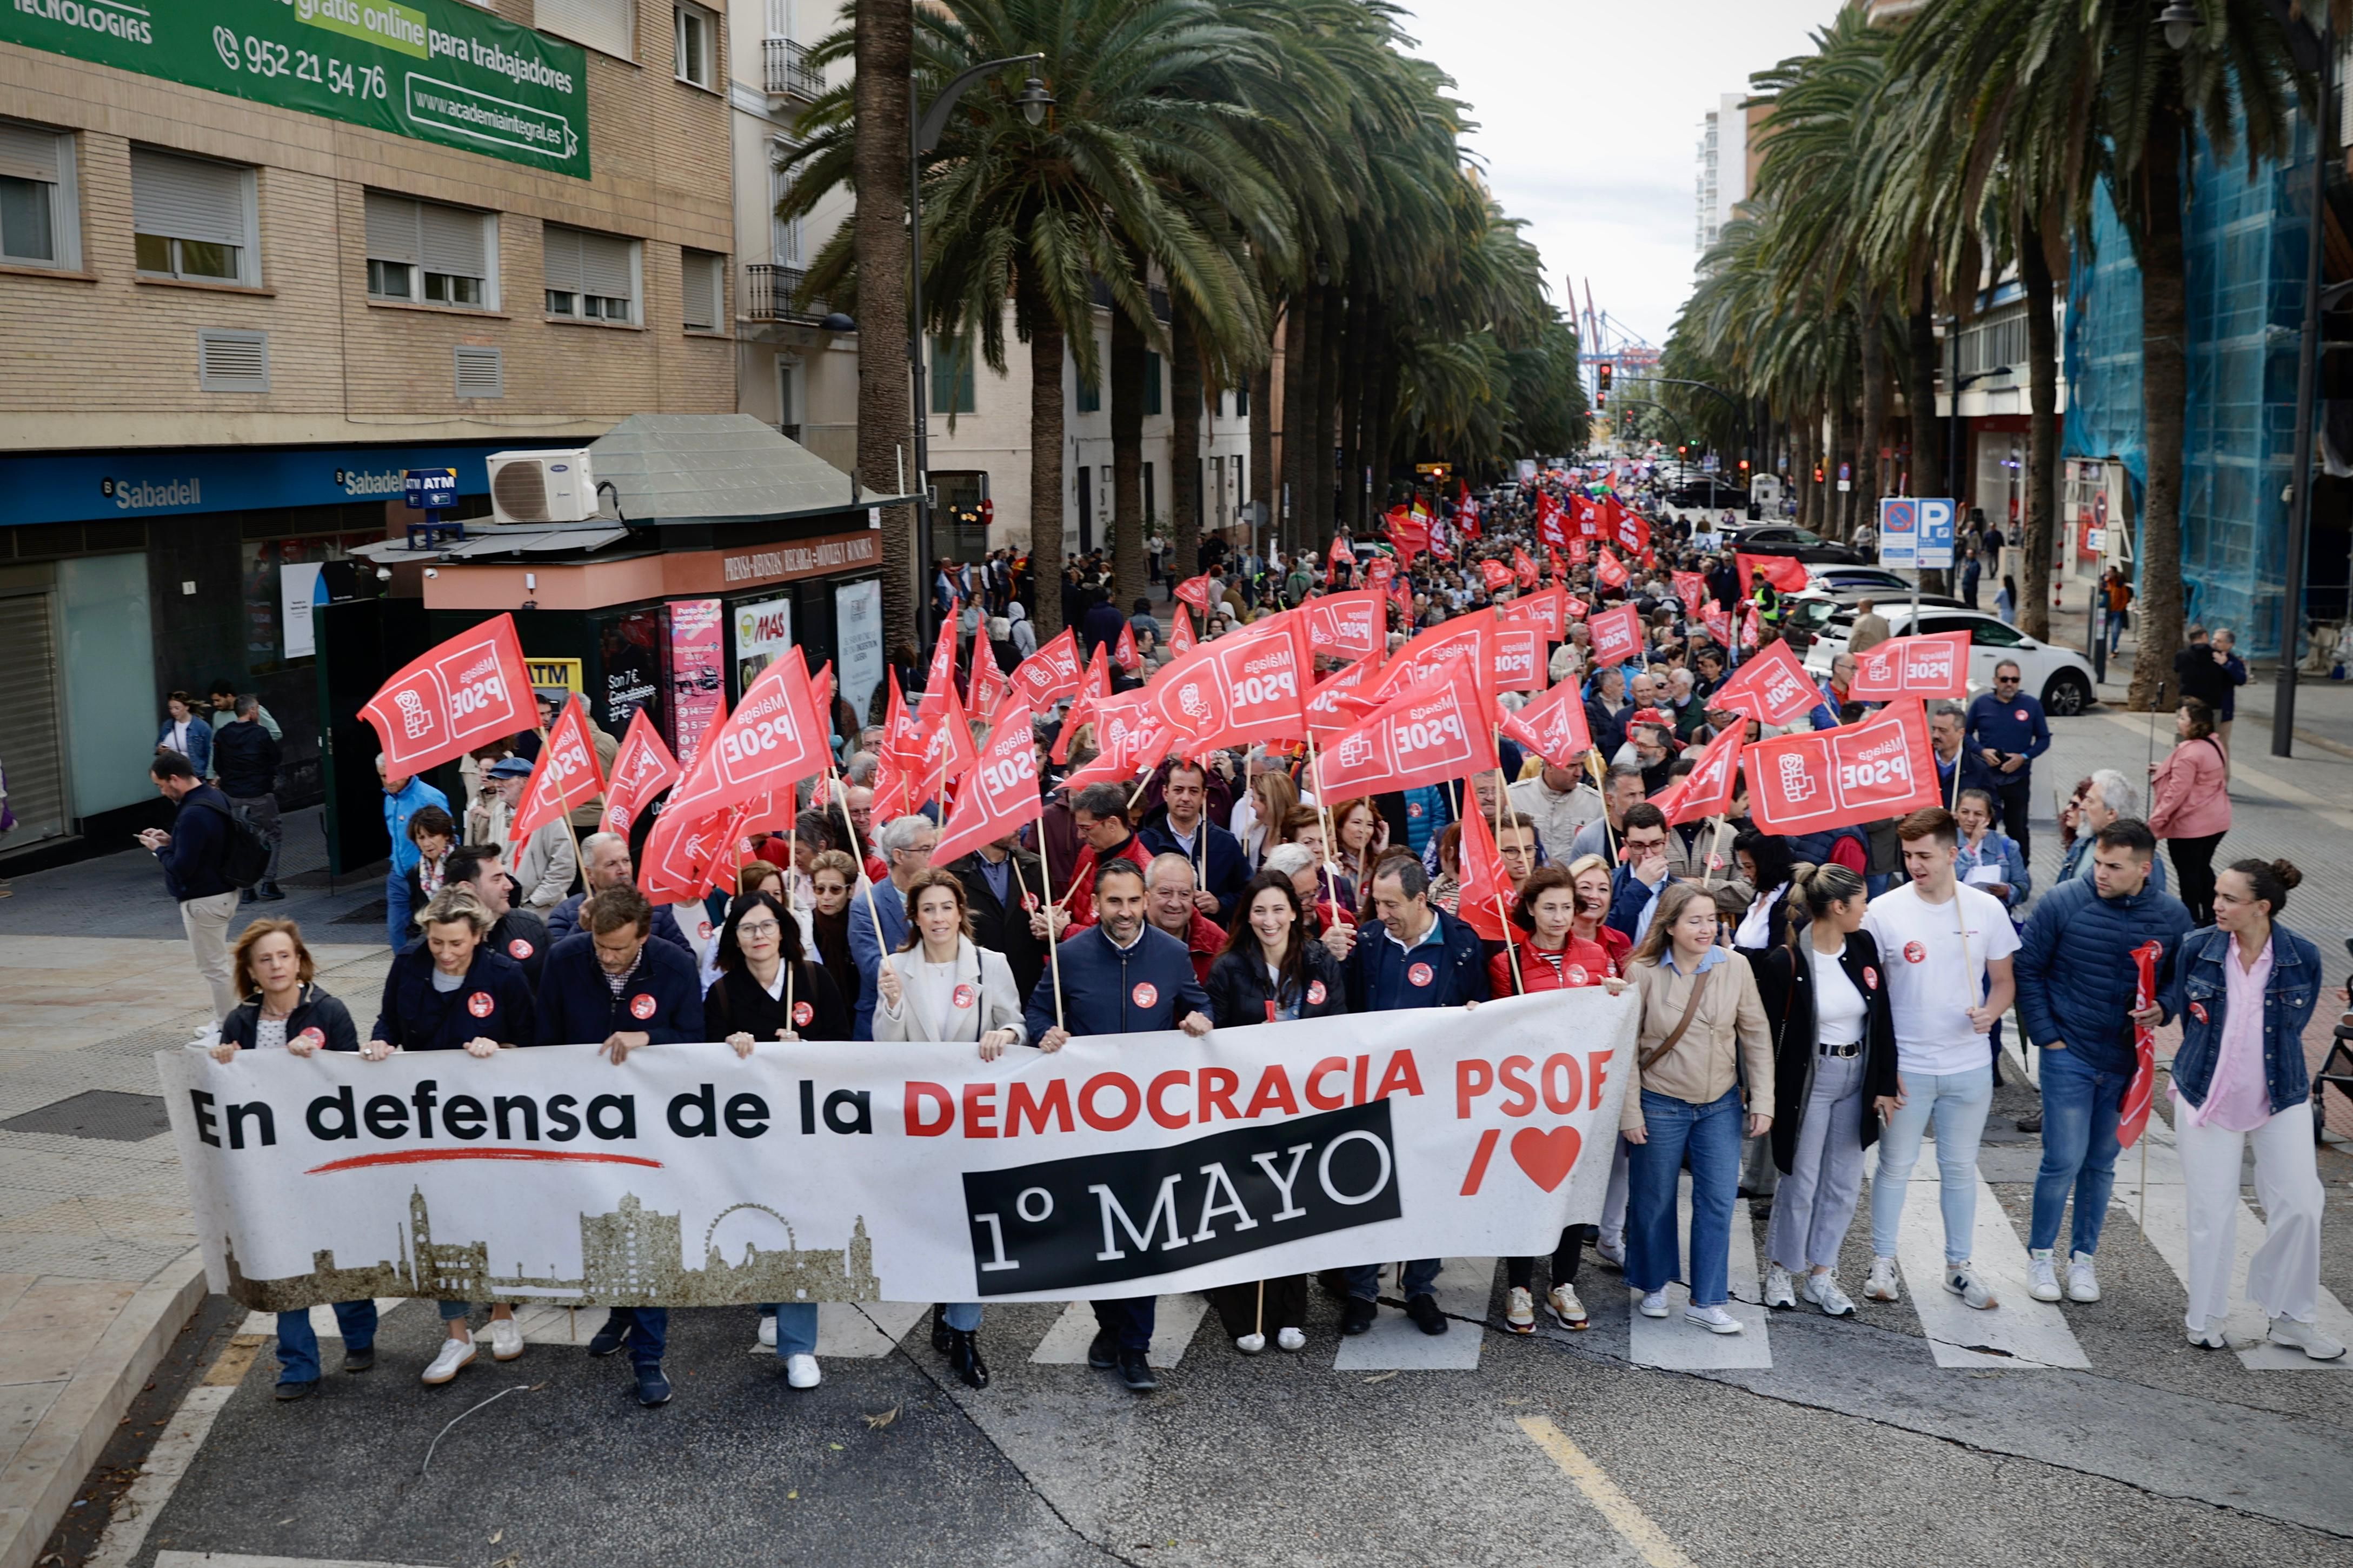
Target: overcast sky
[(1588, 121)]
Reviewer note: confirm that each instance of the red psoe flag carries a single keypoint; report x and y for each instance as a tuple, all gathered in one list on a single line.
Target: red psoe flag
[(821, 695), (1051, 673), (1552, 524), (1248, 686), (1545, 610), (771, 742), (1690, 587), (1934, 666), (1342, 549), (1467, 640), (1553, 726), (1559, 568), (1495, 576), (1409, 533), (1380, 573), (1129, 740), (1717, 621), (1524, 567), (679, 854), (1124, 654), (1195, 591), (1516, 655), (1346, 626), (1708, 788), (469, 690), (1579, 552), (1772, 688), (1611, 573), (1616, 636), (1785, 573), (1330, 708), (1821, 779), (564, 776), (2132, 1117), (642, 769), (947, 751), (999, 793), (1092, 688), (1434, 730), (1181, 640), (1487, 891), (989, 684)]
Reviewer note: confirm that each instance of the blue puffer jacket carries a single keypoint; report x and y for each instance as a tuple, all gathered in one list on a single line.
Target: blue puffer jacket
[(1451, 970), (2075, 973), (2196, 990)]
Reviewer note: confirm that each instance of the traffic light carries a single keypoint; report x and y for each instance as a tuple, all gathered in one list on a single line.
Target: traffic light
[(1744, 465), (1682, 451), (1601, 396)]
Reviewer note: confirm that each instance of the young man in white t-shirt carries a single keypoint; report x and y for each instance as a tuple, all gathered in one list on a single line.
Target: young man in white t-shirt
[(1941, 941)]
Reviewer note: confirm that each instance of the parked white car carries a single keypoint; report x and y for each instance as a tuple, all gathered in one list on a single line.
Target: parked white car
[(2060, 676)]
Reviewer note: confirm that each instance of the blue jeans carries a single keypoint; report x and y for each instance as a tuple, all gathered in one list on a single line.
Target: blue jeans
[(298, 1341), (645, 1329), (1708, 1136), (396, 928), (796, 1327), (1957, 1103), (1421, 1278), (2081, 1104)]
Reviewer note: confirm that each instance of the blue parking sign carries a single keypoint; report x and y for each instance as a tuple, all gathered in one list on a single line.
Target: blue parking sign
[(1915, 531)]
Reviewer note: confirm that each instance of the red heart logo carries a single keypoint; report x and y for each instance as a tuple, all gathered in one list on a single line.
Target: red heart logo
[(1546, 1157)]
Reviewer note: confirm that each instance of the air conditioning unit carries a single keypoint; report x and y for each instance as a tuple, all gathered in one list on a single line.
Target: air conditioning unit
[(542, 486)]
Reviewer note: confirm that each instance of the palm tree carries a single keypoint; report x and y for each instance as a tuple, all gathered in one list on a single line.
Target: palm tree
[(882, 38)]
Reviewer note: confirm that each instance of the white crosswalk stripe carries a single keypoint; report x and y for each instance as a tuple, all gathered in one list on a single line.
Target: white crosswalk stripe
[(1673, 1345), (1464, 1288), (1174, 1317), (2022, 1330)]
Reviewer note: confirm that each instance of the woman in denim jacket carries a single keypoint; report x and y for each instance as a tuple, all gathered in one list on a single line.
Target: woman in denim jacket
[(2244, 988)]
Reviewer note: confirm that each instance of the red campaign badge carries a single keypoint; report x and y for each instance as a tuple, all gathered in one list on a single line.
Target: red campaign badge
[(519, 949), (1576, 976), (1915, 953), (1716, 862), (1029, 902), (1870, 977), (1420, 975), (962, 996), (480, 1005), (803, 1014), (2198, 1011), (2020, 715), (1316, 994), (312, 1037), (1146, 994), (703, 930), (641, 1006), (1413, 808)]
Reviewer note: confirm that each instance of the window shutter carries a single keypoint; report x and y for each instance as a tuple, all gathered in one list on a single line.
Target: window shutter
[(562, 248), (185, 198), (28, 154), (391, 228), (605, 25), (699, 281), (605, 265), (232, 360), (452, 242), (481, 370)]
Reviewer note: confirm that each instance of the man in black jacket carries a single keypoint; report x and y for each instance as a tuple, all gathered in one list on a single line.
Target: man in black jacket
[(1000, 891), (1182, 826), (245, 759), (194, 858), (517, 932)]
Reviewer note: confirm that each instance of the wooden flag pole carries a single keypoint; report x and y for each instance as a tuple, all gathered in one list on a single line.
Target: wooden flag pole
[(1503, 911), (857, 853), (1053, 942), (792, 904), (1323, 810)]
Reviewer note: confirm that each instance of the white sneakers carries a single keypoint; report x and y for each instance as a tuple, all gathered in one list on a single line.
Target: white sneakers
[(1715, 1319), (1520, 1310), (2082, 1284), (800, 1372), (2208, 1339), (1611, 1249), (1881, 1285), (1823, 1290), (1961, 1280), (1777, 1291), (769, 1331), (2042, 1276), (1292, 1339), (454, 1357), (506, 1339), (2305, 1336), (1564, 1306), (1653, 1305), (2042, 1280)]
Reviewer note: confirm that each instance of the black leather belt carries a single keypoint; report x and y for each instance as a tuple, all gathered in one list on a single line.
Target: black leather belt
[(1852, 1048)]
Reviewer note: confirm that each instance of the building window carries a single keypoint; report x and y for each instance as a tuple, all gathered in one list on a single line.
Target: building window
[(952, 377), (607, 25), (696, 34), (702, 285), (423, 251), (192, 219), (1241, 402), (591, 277), (788, 398), (1151, 382), (1090, 395), (1151, 499), (40, 225)]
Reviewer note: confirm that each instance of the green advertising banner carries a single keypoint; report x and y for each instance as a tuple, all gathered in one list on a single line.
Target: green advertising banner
[(439, 70)]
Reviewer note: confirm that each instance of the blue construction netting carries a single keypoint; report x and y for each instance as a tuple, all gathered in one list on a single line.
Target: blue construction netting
[(2244, 245)]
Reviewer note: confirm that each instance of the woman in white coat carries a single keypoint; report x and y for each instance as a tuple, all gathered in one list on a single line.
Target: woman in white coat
[(942, 985)]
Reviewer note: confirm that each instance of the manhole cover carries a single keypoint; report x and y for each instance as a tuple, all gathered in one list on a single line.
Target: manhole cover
[(98, 1113)]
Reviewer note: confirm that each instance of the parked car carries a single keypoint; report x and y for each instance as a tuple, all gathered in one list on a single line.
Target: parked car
[(2059, 675), (1847, 584), (1787, 539)]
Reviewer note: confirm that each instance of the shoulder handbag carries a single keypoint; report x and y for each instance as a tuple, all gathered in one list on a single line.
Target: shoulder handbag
[(1674, 1036)]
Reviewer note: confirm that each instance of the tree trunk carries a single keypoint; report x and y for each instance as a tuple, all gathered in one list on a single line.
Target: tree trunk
[(1872, 435), (1927, 442), (1184, 433), (885, 46), (1291, 499), (1381, 450), (1352, 416), (1327, 420), (2164, 320), (1131, 573), (1801, 467), (1046, 493), (1834, 512), (1265, 483), (2042, 430)]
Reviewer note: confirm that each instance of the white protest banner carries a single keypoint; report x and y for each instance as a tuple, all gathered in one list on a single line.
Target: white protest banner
[(1121, 1165)]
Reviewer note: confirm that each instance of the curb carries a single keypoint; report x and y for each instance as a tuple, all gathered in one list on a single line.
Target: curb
[(39, 1485)]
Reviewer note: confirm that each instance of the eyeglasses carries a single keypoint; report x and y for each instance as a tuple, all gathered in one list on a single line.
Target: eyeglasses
[(757, 929), (2005, 681)]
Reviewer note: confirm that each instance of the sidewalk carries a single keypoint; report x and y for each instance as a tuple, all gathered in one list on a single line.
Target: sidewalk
[(99, 1267)]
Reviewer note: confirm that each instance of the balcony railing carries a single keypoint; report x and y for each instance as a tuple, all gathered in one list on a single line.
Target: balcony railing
[(790, 72), (769, 295)]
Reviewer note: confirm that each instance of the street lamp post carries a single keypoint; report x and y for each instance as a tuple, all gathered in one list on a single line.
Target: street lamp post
[(924, 135)]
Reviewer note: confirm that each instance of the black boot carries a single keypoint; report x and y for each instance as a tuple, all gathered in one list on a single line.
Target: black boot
[(943, 1337), (964, 1358)]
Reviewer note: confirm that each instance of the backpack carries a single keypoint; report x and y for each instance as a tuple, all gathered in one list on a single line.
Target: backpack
[(245, 856)]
